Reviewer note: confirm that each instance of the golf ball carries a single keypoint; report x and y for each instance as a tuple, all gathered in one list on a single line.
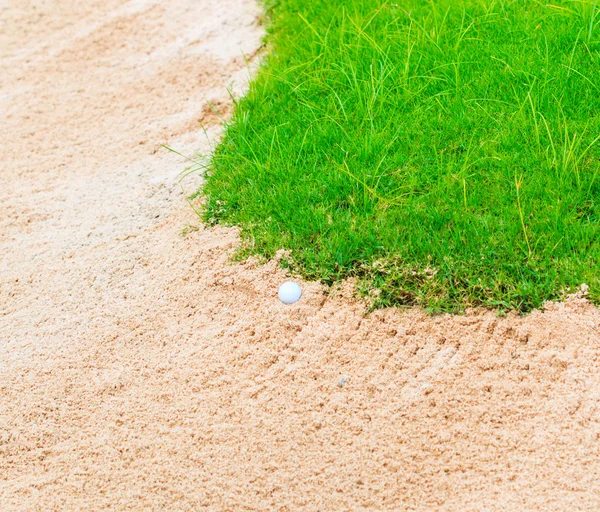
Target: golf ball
[(289, 293)]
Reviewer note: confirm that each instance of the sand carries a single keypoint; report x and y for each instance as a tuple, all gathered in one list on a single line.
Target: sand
[(140, 369)]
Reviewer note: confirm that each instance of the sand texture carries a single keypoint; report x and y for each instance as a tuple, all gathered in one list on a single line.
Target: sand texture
[(141, 369)]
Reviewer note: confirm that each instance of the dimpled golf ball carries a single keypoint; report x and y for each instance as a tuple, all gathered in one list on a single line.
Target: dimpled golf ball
[(289, 293)]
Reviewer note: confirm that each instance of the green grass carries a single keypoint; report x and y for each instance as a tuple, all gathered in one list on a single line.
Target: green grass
[(445, 153)]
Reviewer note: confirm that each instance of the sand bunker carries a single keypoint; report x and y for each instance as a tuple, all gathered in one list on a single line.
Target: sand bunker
[(141, 370)]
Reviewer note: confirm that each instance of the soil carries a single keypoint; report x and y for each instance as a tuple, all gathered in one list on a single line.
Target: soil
[(142, 369)]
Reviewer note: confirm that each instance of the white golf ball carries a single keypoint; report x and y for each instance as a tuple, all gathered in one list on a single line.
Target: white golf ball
[(289, 293)]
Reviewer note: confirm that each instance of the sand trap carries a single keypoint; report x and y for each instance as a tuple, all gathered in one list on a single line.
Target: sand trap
[(141, 370)]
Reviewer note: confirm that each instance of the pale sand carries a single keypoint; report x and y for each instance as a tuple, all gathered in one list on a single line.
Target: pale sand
[(142, 370)]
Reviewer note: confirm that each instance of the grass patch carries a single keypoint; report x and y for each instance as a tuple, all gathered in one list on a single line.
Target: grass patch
[(445, 152)]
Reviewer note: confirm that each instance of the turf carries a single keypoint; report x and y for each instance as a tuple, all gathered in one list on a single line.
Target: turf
[(444, 153)]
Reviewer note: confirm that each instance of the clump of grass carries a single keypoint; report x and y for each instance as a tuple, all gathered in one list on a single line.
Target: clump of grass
[(445, 152)]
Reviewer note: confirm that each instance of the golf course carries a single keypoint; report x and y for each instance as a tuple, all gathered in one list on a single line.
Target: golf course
[(290, 255)]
